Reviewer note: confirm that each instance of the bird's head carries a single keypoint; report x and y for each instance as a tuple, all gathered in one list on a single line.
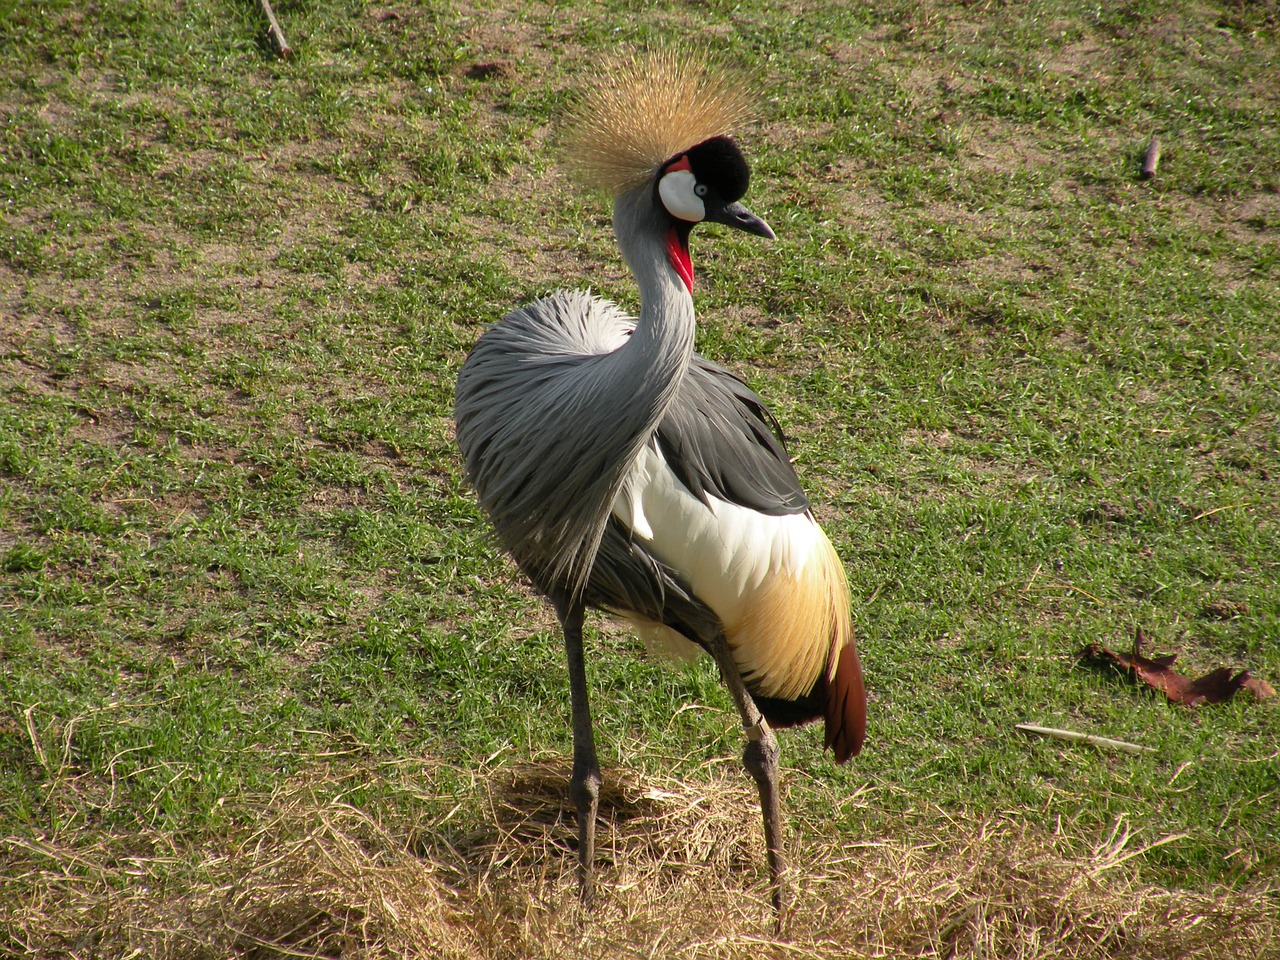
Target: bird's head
[(654, 132), (703, 185)]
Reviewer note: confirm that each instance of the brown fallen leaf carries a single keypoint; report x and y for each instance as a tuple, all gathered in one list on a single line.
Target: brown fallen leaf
[(1157, 672), (1259, 687)]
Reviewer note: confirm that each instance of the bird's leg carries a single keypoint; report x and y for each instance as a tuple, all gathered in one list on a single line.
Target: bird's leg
[(584, 784), (760, 758)]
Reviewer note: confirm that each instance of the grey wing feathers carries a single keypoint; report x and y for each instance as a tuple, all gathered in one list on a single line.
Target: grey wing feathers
[(547, 458), (719, 439), (544, 460)]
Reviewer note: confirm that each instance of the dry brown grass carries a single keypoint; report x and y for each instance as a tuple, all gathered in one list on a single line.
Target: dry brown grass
[(681, 876)]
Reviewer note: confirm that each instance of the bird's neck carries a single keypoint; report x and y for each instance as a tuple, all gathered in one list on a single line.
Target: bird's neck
[(661, 348)]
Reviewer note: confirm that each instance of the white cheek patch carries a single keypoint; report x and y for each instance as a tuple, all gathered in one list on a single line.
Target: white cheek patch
[(676, 191)]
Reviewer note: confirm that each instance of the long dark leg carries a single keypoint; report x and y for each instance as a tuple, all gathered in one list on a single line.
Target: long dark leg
[(584, 784), (761, 761), (760, 757)]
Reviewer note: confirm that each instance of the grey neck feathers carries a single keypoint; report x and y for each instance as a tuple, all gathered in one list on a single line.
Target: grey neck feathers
[(654, 361)]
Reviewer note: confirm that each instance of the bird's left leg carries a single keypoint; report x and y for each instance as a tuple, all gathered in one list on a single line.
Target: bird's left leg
[(584, 783), (761, 761)]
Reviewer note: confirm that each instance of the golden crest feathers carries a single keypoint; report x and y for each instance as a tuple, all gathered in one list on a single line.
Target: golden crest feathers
[(646, 109)]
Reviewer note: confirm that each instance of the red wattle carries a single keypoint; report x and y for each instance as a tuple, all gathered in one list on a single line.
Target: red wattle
[(678, 254)]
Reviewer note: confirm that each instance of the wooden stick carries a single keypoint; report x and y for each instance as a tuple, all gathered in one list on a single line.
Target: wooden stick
[(277, 35), (1089, 738), (1149, 162)]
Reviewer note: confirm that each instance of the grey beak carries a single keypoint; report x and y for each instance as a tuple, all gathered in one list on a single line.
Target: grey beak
[(740, 218)]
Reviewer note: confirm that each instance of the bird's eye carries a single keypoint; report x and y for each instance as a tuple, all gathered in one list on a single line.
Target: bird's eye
[(700, 189)]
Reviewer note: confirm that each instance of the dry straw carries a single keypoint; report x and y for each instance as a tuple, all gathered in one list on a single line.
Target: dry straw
[(680, 877)]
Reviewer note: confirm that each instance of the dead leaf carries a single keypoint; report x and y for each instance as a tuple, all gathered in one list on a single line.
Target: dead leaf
[(1259, 688), (1157, 672)]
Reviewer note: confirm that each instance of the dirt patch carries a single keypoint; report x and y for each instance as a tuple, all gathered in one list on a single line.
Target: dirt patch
[(522, 45), (1085, 58), (1259, 213), (937, 439)]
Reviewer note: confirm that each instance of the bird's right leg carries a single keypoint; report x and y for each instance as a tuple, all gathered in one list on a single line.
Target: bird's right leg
[(584, 784), (760, 758)]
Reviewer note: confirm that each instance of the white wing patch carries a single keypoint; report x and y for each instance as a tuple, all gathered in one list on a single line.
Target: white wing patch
[(774, 581)]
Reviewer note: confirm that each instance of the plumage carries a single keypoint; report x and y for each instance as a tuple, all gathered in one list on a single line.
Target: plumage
[(763, 575), (721, 441), (540, 495), (625, 473)]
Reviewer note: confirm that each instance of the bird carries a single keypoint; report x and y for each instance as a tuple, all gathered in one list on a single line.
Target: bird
[(625, 473)]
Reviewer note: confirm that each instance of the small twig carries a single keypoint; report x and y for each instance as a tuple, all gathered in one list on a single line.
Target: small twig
[(1115, 861), (1089, 738), (1210, 513), (1034, 573), (1065, 586), (1149, 162), (35, 738), (106, 483), (277, 35)]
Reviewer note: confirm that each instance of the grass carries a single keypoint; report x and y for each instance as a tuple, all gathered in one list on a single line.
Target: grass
[(253, 621)]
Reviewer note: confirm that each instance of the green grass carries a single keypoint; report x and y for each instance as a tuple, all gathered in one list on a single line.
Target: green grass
[(1034, 400)]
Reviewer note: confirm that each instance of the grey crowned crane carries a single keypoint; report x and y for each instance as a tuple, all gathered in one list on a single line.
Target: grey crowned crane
[(626, 473)]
